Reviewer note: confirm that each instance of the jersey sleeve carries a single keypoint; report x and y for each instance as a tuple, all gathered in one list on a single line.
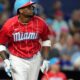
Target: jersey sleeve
[(4, 35), (46, 32)]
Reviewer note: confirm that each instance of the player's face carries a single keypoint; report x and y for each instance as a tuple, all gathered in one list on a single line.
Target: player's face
[(27, 11)]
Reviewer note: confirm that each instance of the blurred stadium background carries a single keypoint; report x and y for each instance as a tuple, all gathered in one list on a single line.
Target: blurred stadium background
[(63, 17)]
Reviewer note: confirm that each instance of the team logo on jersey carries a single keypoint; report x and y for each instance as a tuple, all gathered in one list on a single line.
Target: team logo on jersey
[(19, 36)]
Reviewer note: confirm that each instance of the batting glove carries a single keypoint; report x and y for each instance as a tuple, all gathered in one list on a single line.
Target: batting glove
[(45, 66), (7, 67)]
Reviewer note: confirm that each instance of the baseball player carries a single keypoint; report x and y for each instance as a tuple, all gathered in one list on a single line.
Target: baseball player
[(21, 34)]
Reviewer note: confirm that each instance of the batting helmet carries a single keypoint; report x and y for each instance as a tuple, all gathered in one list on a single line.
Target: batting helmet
[(21, 4)]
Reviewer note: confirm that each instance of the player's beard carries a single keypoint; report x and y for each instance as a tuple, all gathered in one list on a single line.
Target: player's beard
[(28, 15)]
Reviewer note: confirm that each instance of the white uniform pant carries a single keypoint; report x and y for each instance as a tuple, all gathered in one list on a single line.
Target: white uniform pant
[(25, 69)]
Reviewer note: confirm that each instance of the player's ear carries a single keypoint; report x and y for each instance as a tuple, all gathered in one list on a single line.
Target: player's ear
[(20, 10)]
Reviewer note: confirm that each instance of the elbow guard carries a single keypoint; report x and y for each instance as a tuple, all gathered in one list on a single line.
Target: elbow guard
[(46, 43)]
